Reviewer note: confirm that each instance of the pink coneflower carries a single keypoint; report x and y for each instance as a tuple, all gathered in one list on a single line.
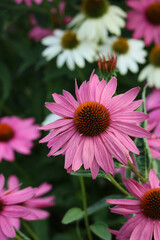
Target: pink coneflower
[(153, 123), (37, 203), (11, 209), (146, 221), (16, 134), (38, 32), (96, 127), (144, 19)]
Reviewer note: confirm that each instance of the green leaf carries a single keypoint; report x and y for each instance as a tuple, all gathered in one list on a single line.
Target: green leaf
[(102, 203), (72, 215), (87, 173), (100, 230)]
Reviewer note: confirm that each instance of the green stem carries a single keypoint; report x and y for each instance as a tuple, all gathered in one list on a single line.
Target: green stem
[(18, 238), (137, 173), (78, 231), (21, 236), (84, 199), (29, 230), (147, 149), (116, 184)]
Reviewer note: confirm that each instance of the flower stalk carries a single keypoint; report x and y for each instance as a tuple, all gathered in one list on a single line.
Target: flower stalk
[(137, 173), (84, 199)]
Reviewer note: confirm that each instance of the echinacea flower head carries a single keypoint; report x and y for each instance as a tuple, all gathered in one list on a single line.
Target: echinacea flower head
[(151, 72), (16, 134), (28, 2), (146, 209), (95, 127), (69, 49), (11, 208), (144, 19), (97, 18), (37, 203), (129, 53)]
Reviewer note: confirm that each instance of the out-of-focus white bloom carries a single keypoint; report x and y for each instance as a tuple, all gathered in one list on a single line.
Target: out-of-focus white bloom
[(69, 49), (129, 53), (97, 17), (151, 72), (50, 118)]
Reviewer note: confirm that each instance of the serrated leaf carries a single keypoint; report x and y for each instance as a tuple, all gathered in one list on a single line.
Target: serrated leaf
[(72, 215), (100, 230)]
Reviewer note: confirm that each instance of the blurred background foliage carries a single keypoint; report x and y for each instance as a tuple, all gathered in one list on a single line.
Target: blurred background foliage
[(26, 83)]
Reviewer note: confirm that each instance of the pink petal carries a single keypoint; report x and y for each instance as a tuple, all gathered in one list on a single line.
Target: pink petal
[(40, 202), (42, 189), (131, 129), (77, 160), (2, 181), (108, 91), (123, 201), (63, 101), (156, 230), (123, 100), (7, 228), (136, 234), (60, 110), (70, 98), (153, 179), (102, 156), (19, 196), (71, 148), (13, 182), (14, 211), (36, 214), (94, 168), (135, 188), (88, 152)]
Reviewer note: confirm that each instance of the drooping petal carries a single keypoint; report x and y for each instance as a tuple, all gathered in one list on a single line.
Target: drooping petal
[(153, 179)]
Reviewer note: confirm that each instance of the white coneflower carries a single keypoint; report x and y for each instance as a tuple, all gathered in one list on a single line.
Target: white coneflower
[(152, 71), (69, 49), (97, 17), (129, 53)]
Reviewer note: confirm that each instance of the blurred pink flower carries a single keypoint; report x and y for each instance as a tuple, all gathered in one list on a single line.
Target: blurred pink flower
[(96, 127), (35, 204), (11, 208), (146, 221), (38, 32), (153, 109), (16, 134), (144, 19), (28, 2)]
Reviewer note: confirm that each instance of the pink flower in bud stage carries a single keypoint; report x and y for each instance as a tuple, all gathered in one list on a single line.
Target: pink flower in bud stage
[(96, 127), (16, 134)]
